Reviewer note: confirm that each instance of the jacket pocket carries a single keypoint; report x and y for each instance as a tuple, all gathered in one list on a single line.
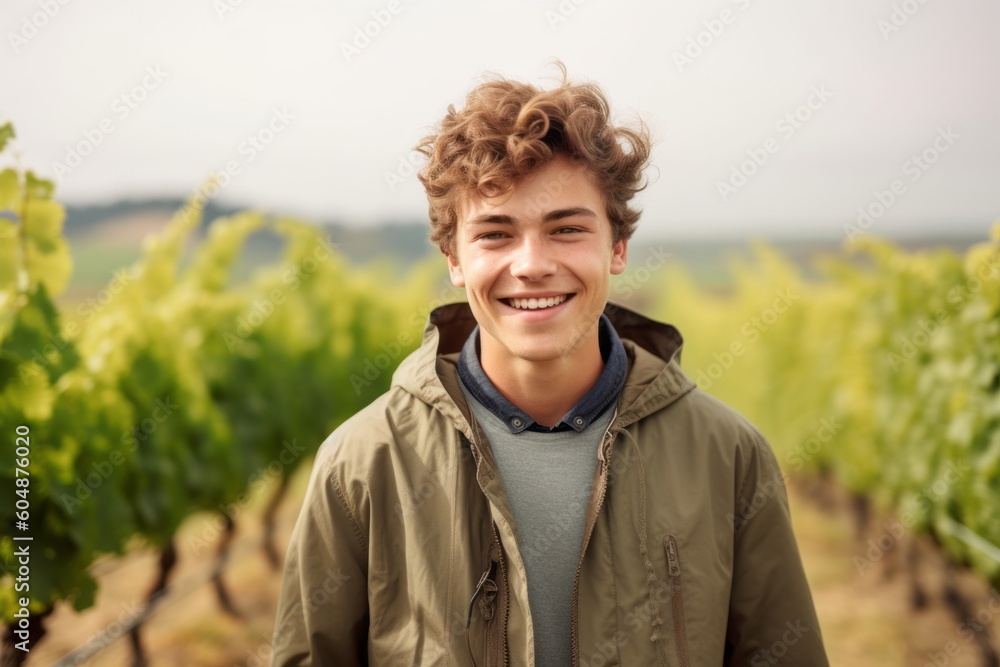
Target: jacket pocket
[(676, 599)]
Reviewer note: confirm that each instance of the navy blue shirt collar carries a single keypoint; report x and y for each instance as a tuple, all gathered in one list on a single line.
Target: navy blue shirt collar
[(593, 404)]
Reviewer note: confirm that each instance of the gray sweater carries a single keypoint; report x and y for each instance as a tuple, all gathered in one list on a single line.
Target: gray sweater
[(547, 477)]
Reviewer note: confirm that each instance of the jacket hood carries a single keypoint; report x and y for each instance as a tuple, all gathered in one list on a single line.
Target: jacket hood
[(654, 380)]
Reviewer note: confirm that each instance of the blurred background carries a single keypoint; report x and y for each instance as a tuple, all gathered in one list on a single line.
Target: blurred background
[(817, 223)]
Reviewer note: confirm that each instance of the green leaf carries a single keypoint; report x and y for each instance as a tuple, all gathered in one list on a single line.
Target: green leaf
[(38, 188), (31, 392), (10, 191), (43, 223), (51, 267), (36, 338), (9, 254), (6, 134)]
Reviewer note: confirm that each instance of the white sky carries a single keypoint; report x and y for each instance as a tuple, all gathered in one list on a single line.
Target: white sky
[(354, 120)]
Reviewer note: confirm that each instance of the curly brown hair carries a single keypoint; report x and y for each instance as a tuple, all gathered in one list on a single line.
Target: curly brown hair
[(509, 129)]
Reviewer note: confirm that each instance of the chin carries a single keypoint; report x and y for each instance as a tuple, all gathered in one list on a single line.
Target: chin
[(547, 352)]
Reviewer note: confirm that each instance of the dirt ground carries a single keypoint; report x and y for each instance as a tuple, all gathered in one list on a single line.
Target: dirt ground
[(865, 617)]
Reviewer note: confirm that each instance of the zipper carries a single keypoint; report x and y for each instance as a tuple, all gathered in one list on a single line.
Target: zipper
[(676, 600), (492, 633), (506, 604), (605, 457)]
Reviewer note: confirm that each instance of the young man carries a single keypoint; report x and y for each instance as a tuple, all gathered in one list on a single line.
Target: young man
[(543, 485)]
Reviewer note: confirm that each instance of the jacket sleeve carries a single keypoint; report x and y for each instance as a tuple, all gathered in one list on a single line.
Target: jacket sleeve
[(772, 620), (322, 616)]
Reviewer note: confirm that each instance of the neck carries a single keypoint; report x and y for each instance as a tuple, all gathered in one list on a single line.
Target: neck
[(545, 390)]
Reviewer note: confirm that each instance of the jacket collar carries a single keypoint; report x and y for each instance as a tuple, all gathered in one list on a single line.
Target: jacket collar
[(654, 378), (598, 398)]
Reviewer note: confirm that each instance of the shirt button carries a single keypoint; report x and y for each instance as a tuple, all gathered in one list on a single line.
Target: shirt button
[(516, 421), (578, 421)]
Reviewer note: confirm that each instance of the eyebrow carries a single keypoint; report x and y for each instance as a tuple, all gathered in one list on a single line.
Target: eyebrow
[(559, 214)]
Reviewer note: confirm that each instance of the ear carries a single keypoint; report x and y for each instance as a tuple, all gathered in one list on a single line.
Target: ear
[(619, 256), (455, 271)]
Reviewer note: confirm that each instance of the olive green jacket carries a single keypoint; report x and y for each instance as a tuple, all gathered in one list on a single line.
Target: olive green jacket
[(406, 551)]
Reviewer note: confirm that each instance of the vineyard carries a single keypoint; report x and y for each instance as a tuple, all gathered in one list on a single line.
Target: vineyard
[(179, 390), (172, 392), (881, 379), (884, 375)]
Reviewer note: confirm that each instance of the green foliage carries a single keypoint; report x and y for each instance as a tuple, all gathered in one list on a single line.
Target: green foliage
[(176, 391), (36, 358), (885, 373), (6, 134), (180, 390)]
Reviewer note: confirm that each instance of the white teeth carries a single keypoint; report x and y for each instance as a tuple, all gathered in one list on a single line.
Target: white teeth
[(535, 304)]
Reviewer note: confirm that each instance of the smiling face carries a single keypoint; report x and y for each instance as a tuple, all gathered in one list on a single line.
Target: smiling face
[(537, 267)]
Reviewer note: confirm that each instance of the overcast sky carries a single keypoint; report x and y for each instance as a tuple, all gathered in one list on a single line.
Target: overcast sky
[(839, 96)]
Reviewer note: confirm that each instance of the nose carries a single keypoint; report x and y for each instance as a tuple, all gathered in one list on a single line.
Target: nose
[(533, 259)]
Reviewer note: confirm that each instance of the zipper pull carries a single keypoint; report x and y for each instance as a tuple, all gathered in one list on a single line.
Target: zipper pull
[(673, 560), (486, 605), (605, 450), (485, 583), (607, 440)]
